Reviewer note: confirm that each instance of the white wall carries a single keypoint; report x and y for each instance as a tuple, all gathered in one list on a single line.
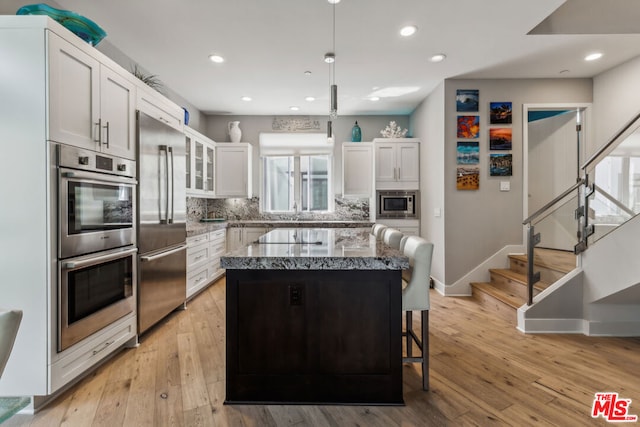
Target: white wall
[(252, 126), (427, 121)]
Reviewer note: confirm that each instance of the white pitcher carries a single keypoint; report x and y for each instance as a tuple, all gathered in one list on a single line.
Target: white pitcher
[(234, 131)]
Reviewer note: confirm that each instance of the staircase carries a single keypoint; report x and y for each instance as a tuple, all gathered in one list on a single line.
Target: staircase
[(507, 289)]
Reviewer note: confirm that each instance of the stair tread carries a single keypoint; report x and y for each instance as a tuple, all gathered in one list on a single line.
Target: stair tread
[(506, 297), (518, 277), (556, 260)]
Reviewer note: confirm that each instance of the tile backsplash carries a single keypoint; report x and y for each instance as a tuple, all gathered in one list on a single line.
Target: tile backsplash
[(249, 209)]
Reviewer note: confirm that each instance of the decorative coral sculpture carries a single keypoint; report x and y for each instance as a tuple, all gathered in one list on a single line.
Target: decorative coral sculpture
[(393, 131)]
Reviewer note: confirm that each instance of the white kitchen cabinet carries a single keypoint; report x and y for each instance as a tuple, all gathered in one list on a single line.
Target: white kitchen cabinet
[(34, 111), (160, 108), (203, 260), (217, 248), (397, 163), (233, 167), (357, 169), (200, 164), (409, 227), (90, 105), (242, 236)]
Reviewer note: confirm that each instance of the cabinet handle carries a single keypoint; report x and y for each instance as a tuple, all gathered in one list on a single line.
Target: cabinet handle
[(200, 279), (99, 132), (107, 128), (198, 257), (399, 174)]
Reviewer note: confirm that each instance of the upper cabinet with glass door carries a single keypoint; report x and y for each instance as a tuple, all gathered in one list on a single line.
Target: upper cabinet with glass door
[(91, 105), (200, 164)]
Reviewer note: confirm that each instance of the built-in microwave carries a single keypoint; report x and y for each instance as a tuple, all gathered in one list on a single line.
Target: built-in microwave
[(397, 204)]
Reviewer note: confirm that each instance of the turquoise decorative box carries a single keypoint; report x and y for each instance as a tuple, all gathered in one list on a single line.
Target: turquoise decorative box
[(83, 27)]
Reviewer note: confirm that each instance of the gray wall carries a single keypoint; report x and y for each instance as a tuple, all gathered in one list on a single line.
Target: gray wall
[(479, 223), (252, 126), (615, 100), (427, 121)]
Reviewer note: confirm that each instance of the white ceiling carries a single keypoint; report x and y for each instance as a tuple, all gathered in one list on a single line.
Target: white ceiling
[(269, 44)]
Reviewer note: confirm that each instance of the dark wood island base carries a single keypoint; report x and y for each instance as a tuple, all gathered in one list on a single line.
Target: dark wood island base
[(313, 336)]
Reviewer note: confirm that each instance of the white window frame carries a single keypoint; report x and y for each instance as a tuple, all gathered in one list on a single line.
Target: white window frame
[(297, 145)]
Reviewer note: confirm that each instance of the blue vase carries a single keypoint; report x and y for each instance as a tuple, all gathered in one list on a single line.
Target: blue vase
[(356, 133)]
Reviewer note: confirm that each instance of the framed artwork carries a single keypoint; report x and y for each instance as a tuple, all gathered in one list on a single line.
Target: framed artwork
[(468, 177), (468, 126), (500, 164), (499, 113), (500, 139), (468, 153), (467, 100)]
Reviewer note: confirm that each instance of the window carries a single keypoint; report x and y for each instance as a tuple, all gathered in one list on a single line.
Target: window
[(296, 172), (296, 183)]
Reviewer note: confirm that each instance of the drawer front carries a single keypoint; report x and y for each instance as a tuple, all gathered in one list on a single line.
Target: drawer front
[(197, 280), (196, 240), (217, 249), (197, 255), (218, 236)]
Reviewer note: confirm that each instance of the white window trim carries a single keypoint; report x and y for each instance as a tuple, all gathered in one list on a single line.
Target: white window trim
[(296, 145)]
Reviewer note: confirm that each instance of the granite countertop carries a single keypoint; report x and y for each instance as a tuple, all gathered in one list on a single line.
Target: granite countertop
[(293, 223), (316, 249), (196, 228)]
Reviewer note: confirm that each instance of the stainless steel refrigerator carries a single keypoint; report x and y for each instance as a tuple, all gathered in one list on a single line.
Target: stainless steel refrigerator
[(161, 226)]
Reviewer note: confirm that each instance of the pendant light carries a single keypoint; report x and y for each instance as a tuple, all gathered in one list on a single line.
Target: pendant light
[(331, 59)]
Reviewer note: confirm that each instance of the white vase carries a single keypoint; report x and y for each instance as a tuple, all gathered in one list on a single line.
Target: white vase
[(234, 131)]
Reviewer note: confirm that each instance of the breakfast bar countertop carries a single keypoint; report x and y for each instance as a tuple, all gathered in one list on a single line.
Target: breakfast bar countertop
[(316, 249)]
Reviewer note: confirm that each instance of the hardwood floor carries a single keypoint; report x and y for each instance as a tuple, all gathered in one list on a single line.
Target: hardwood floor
[(483, 372)]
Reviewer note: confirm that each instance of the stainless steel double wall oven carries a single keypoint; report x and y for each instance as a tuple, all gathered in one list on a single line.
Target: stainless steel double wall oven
[(96, 241)]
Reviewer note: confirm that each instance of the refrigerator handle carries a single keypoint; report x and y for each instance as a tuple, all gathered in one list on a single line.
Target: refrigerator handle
[(164, 220), (170, 218)]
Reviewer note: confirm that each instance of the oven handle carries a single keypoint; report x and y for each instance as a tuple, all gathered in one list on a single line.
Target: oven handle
[(70, 265), (163, 254), (99, 177), (170, 219)]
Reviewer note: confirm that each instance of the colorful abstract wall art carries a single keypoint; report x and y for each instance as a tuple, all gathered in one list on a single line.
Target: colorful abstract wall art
[(468, 153), (467, 100), (499, 113), (500, 139), (468, 126), (500, 164), (468, 177)]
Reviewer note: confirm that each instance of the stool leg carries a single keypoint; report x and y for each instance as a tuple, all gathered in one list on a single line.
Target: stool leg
[(409, 328), (424, 326)]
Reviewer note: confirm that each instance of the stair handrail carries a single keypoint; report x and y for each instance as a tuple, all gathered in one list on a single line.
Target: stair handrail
[(558, 198), (609, 143)]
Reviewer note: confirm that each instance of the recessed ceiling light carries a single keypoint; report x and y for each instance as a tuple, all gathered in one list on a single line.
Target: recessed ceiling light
[(246, 98), (374, 98), (409, 30), (307, 73), (329, 58), (334, 1), (216, 58), (439, 57), (294, 108), (310, 98), (593, 56)]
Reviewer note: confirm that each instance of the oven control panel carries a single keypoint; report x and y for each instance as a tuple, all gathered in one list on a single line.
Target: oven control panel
[(78, 158)]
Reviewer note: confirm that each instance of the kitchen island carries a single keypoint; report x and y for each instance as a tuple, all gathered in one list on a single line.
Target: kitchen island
[(314, 316)]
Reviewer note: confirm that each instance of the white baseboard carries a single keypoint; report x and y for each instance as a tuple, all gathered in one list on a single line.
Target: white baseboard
[(481, 273), (613, 329), (551, 326)]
